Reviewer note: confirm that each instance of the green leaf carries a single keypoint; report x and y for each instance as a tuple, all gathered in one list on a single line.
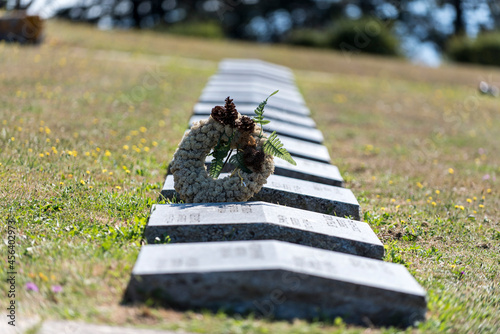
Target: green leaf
[(259, 119), (274, 146), (219, 153), (238, 161)]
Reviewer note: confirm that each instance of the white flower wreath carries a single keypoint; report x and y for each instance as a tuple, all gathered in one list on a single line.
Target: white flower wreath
[(225, 131)]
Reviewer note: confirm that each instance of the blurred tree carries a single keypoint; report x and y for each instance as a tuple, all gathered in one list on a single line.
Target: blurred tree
[(415, 22)]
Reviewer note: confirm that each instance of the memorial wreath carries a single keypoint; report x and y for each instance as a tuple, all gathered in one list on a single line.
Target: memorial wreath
[(227, 137)]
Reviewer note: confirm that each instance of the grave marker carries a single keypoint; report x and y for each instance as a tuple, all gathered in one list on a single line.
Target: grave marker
[(260, 221), (231, 89), (255, 99), (289, 130), (251, 79), (299, 194), (270, 113), (309, 170), (231, 63), (273, 278), (305, 169)]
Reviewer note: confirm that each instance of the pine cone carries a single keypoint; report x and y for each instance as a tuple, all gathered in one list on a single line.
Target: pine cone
[(253, 158), (231, 113), (245, 124), (218, 113)]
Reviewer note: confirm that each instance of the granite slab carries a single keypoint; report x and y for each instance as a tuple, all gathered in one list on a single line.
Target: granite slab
[(305, 169), (255, 99), (302, 149), (269, 113), (231, 89), (251, 79), (260, 221), (277, 279), (289, 130), (252, 84), (296, 193), (309, 170), (261, 69), (235, 63)]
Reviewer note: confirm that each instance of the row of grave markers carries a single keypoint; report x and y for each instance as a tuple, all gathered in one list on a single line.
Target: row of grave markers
[(288, 252)]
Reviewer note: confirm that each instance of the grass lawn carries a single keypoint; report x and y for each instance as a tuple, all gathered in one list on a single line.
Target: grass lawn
[(90, 119)]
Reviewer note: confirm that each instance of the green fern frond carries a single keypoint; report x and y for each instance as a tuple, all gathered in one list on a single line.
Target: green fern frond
[(219, 153), (274, 146), (237, 161), (216, 168), (259, 111)]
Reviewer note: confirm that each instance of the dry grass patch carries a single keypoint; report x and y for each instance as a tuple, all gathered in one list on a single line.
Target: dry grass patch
[(90, 119)]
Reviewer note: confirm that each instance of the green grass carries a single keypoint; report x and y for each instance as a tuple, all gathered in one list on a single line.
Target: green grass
[(89, 121)]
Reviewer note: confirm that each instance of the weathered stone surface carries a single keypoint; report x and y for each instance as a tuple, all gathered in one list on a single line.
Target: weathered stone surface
[(305, 169), (232, 63), (232, 88), (306, 150), (269, 113), (265, 87), (252, 79), (274, 278), (309, 170), (254, 99), (261, 221), (255, 68), (299, 194), (289, 130), (260, 74)]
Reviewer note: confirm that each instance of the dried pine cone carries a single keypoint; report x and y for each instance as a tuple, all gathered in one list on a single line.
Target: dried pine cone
[(246, 139), (218, 113), (245, 124), (253, 158), (231, 113)]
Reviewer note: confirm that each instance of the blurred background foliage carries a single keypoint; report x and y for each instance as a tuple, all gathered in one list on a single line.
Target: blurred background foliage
[(425, 31)]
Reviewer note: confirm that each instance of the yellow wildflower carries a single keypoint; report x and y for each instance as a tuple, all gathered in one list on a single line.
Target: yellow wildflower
[(451, 171)]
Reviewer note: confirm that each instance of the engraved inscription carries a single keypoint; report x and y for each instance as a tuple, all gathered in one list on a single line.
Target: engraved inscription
[(314, 264), (289, 187), (235, 208), (251, 252), (194, 218), (341, 223), (169, 219), (178, 262)]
